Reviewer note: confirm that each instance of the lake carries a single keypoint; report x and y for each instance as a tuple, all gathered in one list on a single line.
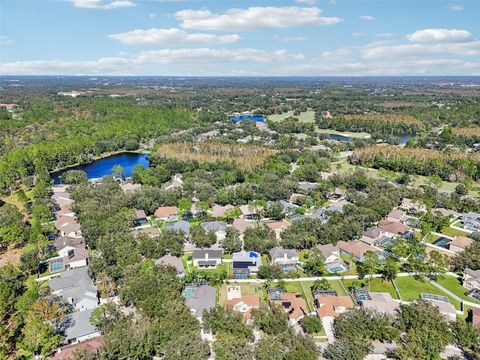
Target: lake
[(255, 118), (337, 137), (103, 167)]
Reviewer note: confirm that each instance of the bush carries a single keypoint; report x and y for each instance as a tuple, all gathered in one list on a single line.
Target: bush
[(311, 324)]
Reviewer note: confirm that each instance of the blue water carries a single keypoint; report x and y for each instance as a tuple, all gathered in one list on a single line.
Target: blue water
[(442, 242), (103, 167), (239, 118), (405, 138), (339, 137)]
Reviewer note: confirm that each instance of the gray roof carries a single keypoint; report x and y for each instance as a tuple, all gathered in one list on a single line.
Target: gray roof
[(373, 233), (172, 261), (214, 226), (205, 298), (78, 324), (279, 252), (473, 273), (320, 214), (288, 206), (60, 242), (69, 279), (246, 256), (212, 254), (327, 249), (181, 225), (140, 214)]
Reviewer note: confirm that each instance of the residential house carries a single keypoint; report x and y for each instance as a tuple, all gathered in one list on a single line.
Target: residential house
[(446, 212), (251, 212), (393, 228), (243, 304), (397, 215), (201, 298), (376, 237), (151, 232), (62, 198), (460, 243), (208, 259), (338, 205), (91, 345), (242, 225), (140, 218), (245, 263), (306, 187), (78, 327), (68, 227), (381, 302), (71, 254), (288, 259), (278, 227), (471, 221), (219, 228), (289, 208), (129, 187), (175, 183), (76, 288), (293, 304), (320, 214), (167, 213), (333, 262), (471, 279), (446, 309), (170, 260), (336, 194), (219, 211), (332, 306), (355, 248), (182, 225), (413, 206)]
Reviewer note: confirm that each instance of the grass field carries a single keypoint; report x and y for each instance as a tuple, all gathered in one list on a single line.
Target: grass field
[(306, 116), (374, 285), (454, 285), (411, 288), (353, 135), (453, 232), (246, 288)]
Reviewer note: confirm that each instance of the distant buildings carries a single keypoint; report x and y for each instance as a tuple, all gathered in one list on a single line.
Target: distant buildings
[(471, 221)]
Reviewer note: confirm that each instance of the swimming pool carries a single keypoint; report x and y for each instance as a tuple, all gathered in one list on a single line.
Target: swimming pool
[(442, 242)]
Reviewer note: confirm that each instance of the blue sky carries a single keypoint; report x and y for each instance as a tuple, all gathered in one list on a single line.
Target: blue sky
[(259, 38)]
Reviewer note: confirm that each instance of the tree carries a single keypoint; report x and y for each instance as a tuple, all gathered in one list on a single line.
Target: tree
[(271, 320), (437, 265), (270, 272), (461, 189), (232, 242), (118, 172), (259, 239), (13, 229), (369, 265), (351, 349), (390, 269), (274, 211), (314, 264), (321, 285), (311, 324), (470, 258), (201, 238), (74, 177), (221, 320)]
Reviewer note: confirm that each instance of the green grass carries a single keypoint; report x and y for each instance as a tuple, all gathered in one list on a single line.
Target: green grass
[(373, 285), (454, 285), (411, 288), (306, 116), (453, 232), (246, 288), (430, 238), (350, 134), (296, 287)]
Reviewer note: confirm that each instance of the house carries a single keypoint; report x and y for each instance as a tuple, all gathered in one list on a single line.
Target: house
[(250, 212), (8, 106), (372, 235), (336, 194), (62, 198), (175, 183), (332, 261), (288, 207), (129, 187), (151, 232), (306, 187), (71, 254), (446, 309), (355, 248), (170, 260), (196, 211), (219, 211), (476, 318), (242, 225), (332, 306), (471, 221), (393, 228), (201, 298), (68, 227), (446, 212), (78, 327), (293, 305), (397, 215), (167, 213), (471, 279), (413, 206), (182, 225), (338, 205), (76, 288), (278, 227), (245, 263), (243, 304), (320, 214), (381, 302), (140, 217), (460, 243), (219, 228), (287, 258), (208, 259), (91, 345)]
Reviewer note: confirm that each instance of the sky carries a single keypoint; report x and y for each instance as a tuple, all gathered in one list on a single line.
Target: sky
[(239, 37)]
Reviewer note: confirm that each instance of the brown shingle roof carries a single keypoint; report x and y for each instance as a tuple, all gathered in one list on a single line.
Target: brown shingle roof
[(166, 211), (293, 304), (332, 305)]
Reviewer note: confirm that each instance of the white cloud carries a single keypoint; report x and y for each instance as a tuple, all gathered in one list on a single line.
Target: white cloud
[(170, 36), (124, 65), (359, 34), (367, 17), (439, 35), (100, 4), (337, 53), (152, 15), (254, 18), (306, 2), (377, 50), (5, 40), (290, 38), (456, 7)]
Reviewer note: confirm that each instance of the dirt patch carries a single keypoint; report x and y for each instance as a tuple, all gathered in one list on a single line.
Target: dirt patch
[(10, 256)]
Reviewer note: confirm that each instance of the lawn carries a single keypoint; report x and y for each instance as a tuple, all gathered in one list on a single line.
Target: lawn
[(301, 288), (431, 238), (454, 285), (350, 134), (453, 232), (373, 285), (411, 288), (306, 116)]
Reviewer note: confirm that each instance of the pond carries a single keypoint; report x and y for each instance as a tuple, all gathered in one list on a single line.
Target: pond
[(103, 167), (239, 118), (405, 138), (337, 137)]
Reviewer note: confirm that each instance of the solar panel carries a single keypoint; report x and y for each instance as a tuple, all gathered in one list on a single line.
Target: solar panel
[(426, 296)]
